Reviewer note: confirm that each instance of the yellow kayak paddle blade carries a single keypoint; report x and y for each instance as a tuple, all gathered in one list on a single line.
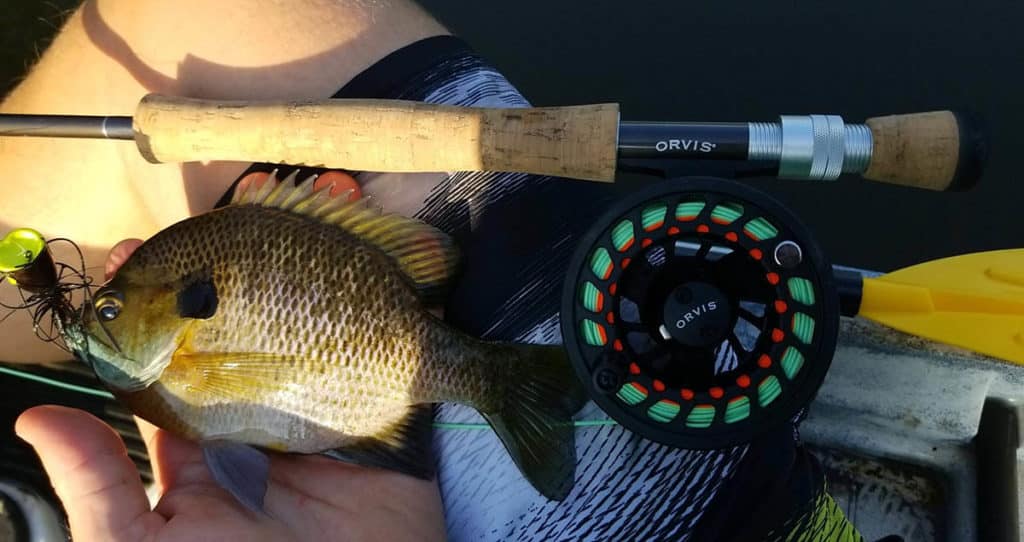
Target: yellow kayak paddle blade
[(974, 301)]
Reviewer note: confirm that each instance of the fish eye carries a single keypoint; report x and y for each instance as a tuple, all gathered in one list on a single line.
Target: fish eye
[(108, 305)]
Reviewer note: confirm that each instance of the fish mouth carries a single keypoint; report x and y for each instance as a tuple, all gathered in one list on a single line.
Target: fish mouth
[(111, 364), (73, 333)]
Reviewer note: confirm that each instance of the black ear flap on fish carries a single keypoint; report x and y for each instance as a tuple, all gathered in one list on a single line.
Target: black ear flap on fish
[(534, 420), (427, 257), (198, 299), (407, 448)]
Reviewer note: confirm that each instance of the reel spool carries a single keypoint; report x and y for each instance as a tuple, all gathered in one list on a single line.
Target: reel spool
[(700, 313)]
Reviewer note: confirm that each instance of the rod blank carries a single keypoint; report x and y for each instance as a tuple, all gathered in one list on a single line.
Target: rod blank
[(78, 126)]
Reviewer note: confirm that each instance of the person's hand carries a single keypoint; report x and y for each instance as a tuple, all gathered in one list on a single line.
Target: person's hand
[(308, 497)]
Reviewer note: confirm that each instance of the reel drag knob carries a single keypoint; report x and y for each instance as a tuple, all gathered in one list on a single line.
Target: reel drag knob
[(696, 314)]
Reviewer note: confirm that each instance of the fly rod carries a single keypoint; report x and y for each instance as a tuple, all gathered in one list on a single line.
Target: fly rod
[(939, 150)]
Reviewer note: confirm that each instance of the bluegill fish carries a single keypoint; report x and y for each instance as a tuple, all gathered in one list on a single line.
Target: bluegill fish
[(294, 321)]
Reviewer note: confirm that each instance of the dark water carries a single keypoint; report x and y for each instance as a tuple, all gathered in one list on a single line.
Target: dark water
[(751, 60)]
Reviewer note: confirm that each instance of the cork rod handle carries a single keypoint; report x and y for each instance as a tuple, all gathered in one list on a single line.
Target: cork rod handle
[(382, 135), (938, 150)]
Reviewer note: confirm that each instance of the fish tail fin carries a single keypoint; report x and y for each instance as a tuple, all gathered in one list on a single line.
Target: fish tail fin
[(534, 419)]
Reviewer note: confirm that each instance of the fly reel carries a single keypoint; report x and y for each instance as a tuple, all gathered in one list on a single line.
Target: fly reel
[(700, 313)]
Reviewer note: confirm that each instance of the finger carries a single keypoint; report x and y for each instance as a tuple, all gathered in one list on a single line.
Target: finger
[(256, 178), (372, 504), (90, 470), (175, 460), (336, 482), (118, 255), (342, 182)]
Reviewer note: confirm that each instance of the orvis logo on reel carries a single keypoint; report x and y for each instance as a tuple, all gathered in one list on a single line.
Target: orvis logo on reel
[(695, 312)]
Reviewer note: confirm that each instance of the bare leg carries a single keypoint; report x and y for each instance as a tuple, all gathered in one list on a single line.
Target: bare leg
[(111, 53)]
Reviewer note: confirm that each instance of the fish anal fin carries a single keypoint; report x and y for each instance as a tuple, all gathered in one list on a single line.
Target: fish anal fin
[(426, 256), (405, 448)]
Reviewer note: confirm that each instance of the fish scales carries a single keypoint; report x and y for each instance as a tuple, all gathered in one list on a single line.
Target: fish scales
[(354, 344)]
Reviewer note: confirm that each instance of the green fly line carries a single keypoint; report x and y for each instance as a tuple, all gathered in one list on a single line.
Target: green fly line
[(56, 383), (107, 395)]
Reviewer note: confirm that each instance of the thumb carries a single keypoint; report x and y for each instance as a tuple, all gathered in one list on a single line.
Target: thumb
[(119, 254), (91, 473)]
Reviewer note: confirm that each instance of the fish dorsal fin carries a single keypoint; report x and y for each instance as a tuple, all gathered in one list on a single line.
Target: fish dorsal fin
[(426, 255)]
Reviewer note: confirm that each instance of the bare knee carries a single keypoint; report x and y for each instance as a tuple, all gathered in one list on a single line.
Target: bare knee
[(251, 48), (111, 52)]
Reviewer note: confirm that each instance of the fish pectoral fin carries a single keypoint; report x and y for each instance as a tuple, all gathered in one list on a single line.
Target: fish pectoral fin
[(230, 375), (406, 448), (240, 469), (426, 256)]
